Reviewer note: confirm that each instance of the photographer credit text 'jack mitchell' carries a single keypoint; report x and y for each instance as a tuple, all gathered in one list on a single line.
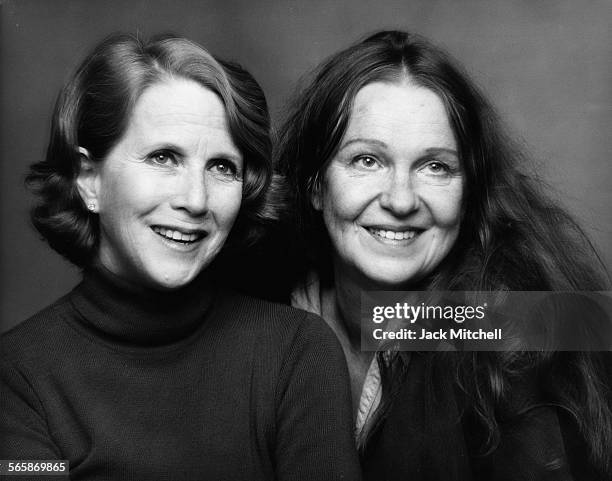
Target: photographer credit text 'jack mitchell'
[(486, 321)]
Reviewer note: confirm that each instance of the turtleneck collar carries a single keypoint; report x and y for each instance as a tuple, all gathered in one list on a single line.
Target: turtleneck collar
[(130, 314)]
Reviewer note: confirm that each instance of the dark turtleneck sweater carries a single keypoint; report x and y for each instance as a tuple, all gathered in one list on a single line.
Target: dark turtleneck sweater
[(194, 384)]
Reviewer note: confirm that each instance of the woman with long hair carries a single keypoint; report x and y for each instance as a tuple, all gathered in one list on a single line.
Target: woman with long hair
[(401, 178)]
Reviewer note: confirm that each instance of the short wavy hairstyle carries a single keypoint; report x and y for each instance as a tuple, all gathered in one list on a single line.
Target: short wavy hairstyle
[(93, 111)]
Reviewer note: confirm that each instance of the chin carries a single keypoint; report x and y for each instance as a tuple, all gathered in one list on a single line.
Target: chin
[(383, 277), (390, 282), (166, 281)]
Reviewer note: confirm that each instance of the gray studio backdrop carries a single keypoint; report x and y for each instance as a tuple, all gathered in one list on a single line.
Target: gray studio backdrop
[(546, 65)]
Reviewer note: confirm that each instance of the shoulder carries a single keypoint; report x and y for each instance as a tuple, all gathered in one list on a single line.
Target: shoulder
[(279, 323), (263, 312), (39, 334)]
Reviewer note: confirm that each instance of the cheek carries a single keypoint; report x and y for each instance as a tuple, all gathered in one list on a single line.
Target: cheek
[(446, 207), (124, 192), (338, 212), (344, 199), (225, 203)]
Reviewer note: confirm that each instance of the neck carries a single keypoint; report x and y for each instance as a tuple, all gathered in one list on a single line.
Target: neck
[(342, 304), (136, 315), (341, 308)]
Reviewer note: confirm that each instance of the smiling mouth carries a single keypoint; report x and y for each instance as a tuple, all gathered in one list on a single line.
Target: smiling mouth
[(387, 235), (179, 236)]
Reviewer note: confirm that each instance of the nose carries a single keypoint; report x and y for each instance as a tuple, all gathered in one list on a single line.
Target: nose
[(190, 192), (399, 195)]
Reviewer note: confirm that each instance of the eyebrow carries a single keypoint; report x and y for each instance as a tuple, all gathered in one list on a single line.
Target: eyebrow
[(441, 150), (232, 155), (380, 143), (363, 140)]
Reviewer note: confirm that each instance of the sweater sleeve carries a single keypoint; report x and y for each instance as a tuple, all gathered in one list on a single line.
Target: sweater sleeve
[(314, 414), (23, 429)]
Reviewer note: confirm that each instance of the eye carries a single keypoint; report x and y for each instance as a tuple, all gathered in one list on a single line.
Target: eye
[(366, 162), (224, 167), (163, 157), (435, 167)]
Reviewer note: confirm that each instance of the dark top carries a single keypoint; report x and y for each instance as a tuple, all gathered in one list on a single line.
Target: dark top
[(430, 434), (195, 384)]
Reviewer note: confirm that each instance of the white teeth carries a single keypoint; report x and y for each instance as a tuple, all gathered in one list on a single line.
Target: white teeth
[(394, 235), (176, 235)]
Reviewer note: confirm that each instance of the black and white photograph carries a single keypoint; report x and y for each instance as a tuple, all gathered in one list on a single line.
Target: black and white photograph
[(224, 224)]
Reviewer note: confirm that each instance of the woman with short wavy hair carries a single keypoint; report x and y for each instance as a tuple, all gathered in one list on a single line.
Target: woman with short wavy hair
[(94, 109), (402, 179), (150, 368)]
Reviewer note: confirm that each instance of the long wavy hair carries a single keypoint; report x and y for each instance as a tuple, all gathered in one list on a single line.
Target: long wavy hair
[(512, 237)]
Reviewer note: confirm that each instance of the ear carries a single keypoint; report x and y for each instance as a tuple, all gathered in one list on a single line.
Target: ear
[(87, 180)]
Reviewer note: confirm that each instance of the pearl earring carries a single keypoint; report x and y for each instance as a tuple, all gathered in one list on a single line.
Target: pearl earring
[(91, 206)]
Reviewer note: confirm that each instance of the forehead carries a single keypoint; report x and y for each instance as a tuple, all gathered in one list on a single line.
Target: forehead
[(177, 105), (401, 114)]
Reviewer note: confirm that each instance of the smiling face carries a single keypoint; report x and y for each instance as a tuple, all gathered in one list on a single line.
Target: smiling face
[(391, 197), (169, 192)]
